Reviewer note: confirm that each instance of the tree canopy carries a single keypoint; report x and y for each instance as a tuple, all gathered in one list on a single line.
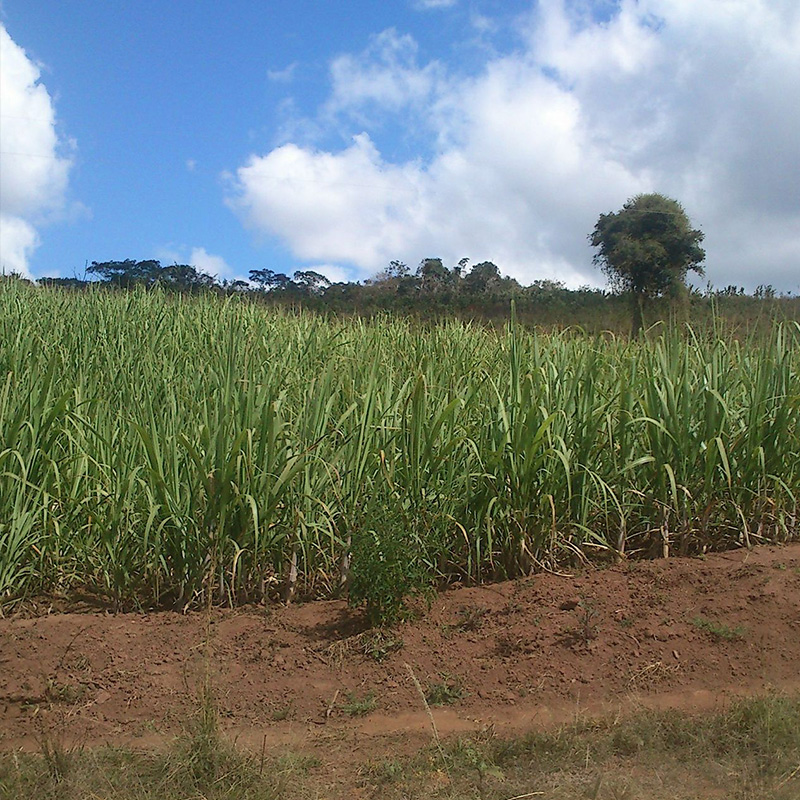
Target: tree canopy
[(129, 273), (647, 248)]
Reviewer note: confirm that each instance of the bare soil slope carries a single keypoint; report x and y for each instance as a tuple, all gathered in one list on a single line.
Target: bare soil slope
[(686, 633)]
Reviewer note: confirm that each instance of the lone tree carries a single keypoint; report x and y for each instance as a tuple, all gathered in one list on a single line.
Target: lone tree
[(646, 249)]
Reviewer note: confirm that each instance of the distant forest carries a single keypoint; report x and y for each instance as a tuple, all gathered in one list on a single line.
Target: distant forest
[(433, 290)]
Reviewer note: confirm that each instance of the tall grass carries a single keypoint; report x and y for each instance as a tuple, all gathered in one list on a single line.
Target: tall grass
[(157, 448)]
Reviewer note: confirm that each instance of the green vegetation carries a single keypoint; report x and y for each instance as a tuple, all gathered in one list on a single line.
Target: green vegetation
[(646, 249), (719, 630), (444, 692), (379, 643), (480, 292), (750, 751), (185, 770), (359, 706), (158, 449)]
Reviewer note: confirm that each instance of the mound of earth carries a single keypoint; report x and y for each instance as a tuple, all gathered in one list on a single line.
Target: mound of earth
[(684, 633)]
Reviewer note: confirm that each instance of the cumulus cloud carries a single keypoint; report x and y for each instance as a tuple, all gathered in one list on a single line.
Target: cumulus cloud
[(18, 240), (334, 273), (35, 174), (386, 76), (197, 257), (687, 97), (348, 207), (211, 264)]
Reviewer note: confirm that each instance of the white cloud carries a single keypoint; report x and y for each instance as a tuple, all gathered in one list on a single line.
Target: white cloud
[(18, 240), (197, 257), (346, 207), (386, 75), (285, 75), (211, 264), (693, 98), (333, 272), (425, 5), (482, 24), (35, 175)]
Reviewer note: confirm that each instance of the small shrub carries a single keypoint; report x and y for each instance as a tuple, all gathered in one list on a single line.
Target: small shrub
[(386, 569)]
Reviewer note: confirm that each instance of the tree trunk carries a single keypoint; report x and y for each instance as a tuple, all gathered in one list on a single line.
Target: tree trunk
[(679, 303), (637, 307)]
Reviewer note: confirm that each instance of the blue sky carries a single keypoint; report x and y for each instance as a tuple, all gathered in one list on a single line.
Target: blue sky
[(285, 135)]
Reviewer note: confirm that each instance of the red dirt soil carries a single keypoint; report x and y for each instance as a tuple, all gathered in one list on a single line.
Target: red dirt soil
[(685, 633)]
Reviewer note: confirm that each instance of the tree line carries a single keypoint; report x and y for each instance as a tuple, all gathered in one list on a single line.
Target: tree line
[(431, 278), (646, 250)]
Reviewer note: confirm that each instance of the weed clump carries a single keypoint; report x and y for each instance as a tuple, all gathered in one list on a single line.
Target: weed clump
[(719, 630), (445, 692)]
